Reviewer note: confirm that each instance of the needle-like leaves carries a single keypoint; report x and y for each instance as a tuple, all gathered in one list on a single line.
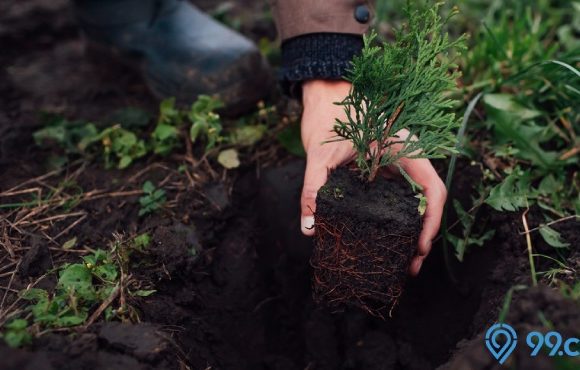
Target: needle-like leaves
[(403, 85)]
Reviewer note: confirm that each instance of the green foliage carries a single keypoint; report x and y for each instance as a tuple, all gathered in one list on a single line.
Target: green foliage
[(204, 121), (80, 288), (552, 237), (144, 293), (165, 137), (142, 242), (204, 124), (512, 194), (247, 135), (422, 207), (73, 137), (152, 200), (531, 101), (121, 147), (467, 240), (16, 333), (402, 85)]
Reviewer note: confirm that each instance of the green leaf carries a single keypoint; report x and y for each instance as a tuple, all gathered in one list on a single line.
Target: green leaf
[(462, 244), (506, 103), (70, 320), (96, 258), (229, 158), (465, 218), (552, 237), (168, 113), (142, 241), (33, 294), (16, 334), (247, 135), (195, 130), (17, 324), (509, 121), (78, 279), (144, 293), (70, 243), (107, 272), (158, 195), (204, 121), (148, 187), (164, 132), (549, 185), (109, 314), (125, 161), (422, 203), (49, 134), (41, 308), (512, 194)]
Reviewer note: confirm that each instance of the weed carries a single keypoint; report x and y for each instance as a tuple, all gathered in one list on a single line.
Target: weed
[(165, 137), (142, 242), (204, 121), (16, 334), (81, 287), (468, 239), (152, 200), (121, 147)]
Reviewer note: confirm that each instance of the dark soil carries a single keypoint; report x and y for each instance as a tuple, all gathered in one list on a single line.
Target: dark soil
[(366, 235), (105, 346), (527, 312), (228, 263)]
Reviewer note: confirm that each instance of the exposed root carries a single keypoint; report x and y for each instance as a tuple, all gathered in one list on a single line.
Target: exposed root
[(368, 273)]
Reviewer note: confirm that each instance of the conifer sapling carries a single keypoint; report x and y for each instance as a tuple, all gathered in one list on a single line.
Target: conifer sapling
[(402, 85), (366, 232)]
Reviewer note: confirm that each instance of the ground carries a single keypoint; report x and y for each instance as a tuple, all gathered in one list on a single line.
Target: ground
[(228, 263)]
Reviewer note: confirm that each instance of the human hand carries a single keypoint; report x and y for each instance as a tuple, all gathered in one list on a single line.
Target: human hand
[(318, 118)]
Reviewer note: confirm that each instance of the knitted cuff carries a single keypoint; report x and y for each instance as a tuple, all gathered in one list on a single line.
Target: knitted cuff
[(318, 56)]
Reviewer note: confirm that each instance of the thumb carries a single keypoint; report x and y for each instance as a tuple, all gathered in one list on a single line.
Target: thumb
[(314, 177)]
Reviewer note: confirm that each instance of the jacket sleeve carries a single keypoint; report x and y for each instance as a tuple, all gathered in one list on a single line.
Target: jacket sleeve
[(300, 17), (319, 37)]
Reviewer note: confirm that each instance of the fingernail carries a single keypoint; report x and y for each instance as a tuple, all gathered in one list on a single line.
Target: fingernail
[(307, 225)]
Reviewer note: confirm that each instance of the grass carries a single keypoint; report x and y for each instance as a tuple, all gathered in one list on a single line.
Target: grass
[(521, 108)]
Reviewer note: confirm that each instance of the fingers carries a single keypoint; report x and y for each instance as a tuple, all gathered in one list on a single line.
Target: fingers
[(318, 118), (434, 190), (314, 177)]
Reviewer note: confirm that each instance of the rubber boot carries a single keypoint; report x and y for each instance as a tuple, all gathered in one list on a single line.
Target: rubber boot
[(182, 51)]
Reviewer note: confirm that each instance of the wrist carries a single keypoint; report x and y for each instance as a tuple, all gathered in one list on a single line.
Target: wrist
[(315, 92)]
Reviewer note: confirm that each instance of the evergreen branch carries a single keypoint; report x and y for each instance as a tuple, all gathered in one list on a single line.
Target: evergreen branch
[(403, 85)]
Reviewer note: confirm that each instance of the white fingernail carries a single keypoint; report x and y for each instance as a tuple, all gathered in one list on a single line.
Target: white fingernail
[(307, 225)]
